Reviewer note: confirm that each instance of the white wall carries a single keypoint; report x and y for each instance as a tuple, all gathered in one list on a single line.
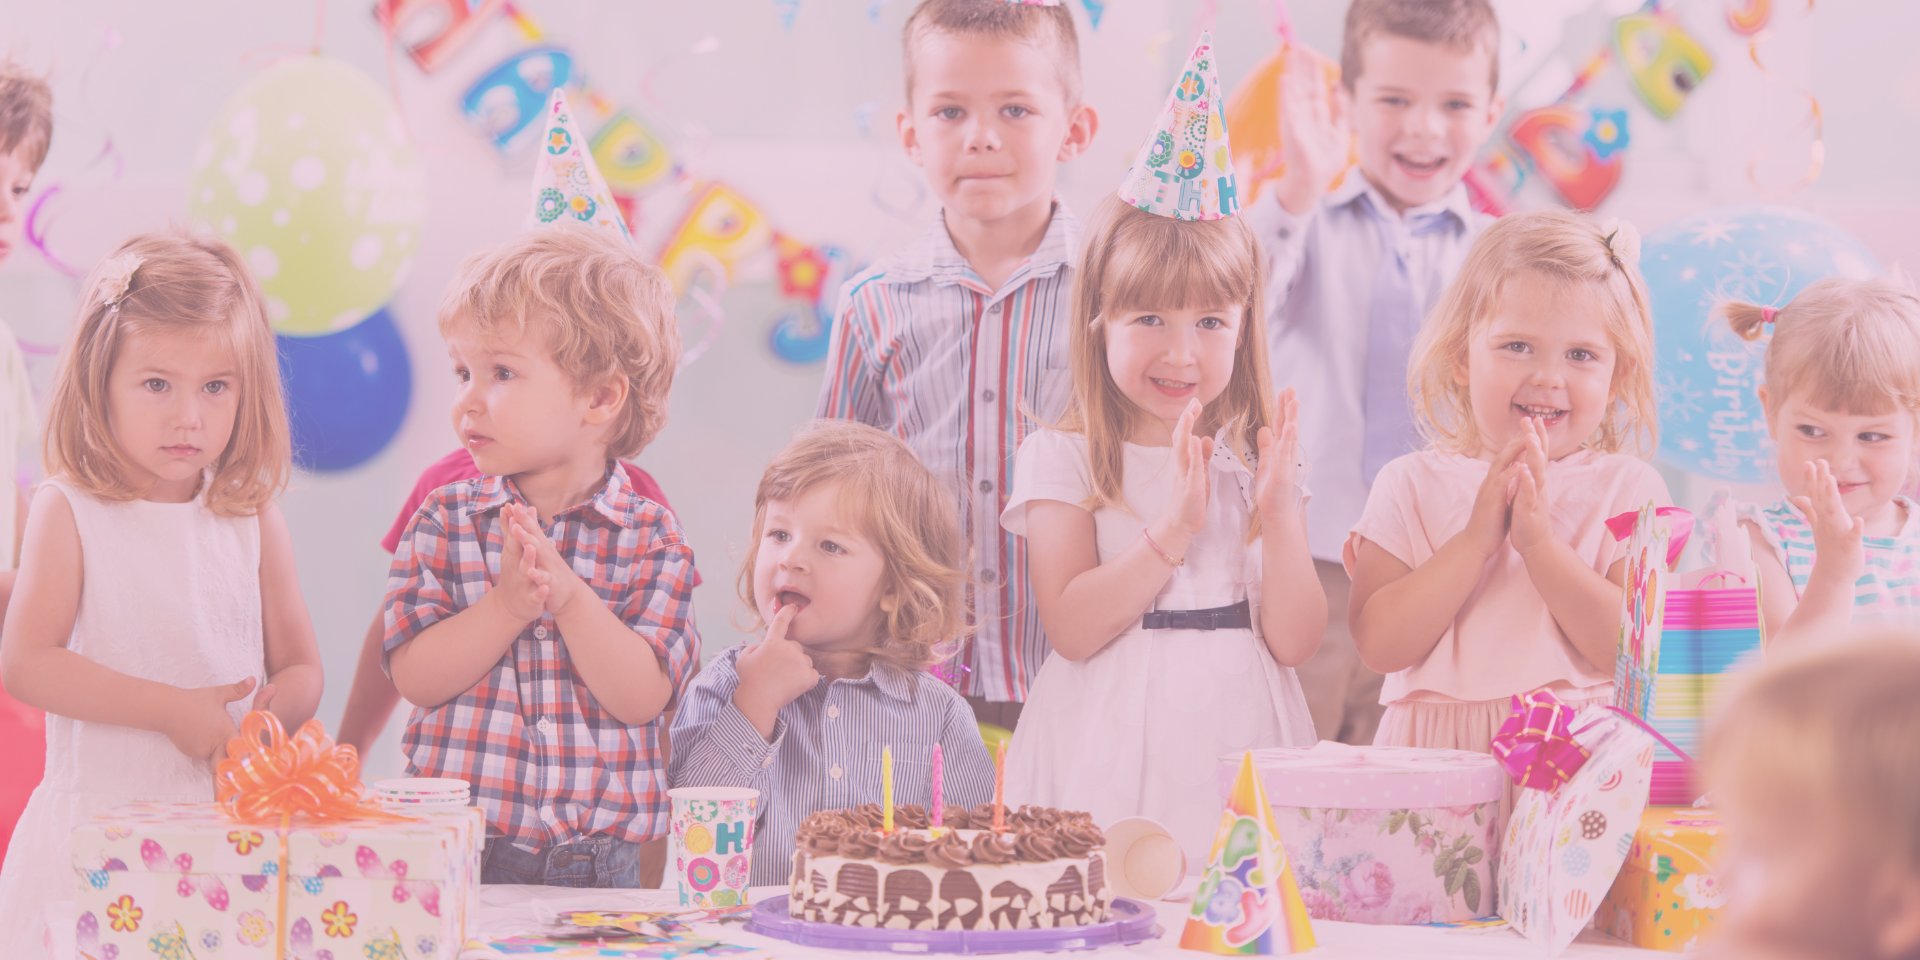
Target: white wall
[(774, 112)]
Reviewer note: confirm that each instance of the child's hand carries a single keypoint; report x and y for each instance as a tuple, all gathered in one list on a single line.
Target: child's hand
[(264, 699), (1192, 473), (1313, 131), (1276, 482), (523, 587), (1531, 509), (201, 726), (1836, 534), (1487, 524), (550, 569), (774, 671)]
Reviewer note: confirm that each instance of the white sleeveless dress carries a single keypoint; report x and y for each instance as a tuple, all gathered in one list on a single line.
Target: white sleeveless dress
[(1137, 729), (169, 592)]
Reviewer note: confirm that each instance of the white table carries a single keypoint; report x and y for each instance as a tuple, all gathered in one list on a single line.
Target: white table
[(505, 910)]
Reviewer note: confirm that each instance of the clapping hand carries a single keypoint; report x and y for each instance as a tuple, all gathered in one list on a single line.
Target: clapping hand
[(549, 569), (523, 589), (1837, 535), (1276, 480), (1487, 524), (1313, 131), (1531, 508), (1192, 471)]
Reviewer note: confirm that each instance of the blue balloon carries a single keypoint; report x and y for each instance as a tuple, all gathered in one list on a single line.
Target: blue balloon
[(1711, 422), (347, 392)]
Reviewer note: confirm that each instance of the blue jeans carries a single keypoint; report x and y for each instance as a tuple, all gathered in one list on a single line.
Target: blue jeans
[(598, 861)]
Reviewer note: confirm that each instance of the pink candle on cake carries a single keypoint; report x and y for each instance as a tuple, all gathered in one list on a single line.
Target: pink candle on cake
[(934, 815)]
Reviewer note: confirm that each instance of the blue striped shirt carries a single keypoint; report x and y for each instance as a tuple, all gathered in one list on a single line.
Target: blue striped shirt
[(922, 349), (825, 753), (1888, 590)]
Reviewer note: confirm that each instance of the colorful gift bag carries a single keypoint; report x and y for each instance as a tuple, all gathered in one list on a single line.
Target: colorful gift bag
[(1248, 902), (1682, 638), (1564, 846), (1385, 834), (1667, 895)]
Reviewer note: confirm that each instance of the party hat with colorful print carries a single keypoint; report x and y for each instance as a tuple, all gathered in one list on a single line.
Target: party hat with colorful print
[(1248, 901), (566, 183), (1185, 169)]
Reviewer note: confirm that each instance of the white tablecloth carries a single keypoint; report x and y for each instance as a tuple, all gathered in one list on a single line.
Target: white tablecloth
[(505, 910)]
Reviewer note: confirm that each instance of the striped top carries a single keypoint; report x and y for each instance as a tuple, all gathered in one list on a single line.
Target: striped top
[(923, 349), (1890, 587), (825, 753), (547, 762)]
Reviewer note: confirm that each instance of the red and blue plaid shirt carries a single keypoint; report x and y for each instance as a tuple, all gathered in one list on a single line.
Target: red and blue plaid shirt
[(547, 762)]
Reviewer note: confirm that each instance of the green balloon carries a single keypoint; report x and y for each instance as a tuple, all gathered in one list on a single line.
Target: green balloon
[(308, 171)]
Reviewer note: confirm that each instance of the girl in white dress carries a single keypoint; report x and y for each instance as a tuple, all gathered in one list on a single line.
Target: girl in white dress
[(156, 587), (1167, 549)]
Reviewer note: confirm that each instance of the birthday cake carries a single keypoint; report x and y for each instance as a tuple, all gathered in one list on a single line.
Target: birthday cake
[(1047, 869)]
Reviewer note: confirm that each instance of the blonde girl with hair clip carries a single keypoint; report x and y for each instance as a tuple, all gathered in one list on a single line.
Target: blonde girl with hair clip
[(855, 573), (1165, 530), (1482, 566), (1842, 401), (157, 600)]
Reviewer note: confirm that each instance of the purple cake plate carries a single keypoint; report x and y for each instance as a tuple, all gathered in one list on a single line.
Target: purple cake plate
[(1133, 922)]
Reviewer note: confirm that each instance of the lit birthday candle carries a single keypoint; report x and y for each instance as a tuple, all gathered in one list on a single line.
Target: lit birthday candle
[(934, 816), (1000, 789), (886, 788)]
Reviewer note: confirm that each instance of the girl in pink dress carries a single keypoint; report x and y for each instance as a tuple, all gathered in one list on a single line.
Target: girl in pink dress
[(1482, 566)]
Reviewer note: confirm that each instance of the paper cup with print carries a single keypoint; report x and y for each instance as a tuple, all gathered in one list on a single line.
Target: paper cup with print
[(1143, 861), (713, 844)]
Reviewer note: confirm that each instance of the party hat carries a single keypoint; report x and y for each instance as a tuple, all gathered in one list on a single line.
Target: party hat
[(1185, 169), (566, 183), (1248, 902)]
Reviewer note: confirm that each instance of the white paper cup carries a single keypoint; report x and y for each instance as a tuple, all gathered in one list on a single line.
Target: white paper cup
[(1143, 861), (712, 844)]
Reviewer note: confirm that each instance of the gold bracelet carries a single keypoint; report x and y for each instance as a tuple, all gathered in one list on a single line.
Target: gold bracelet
[(1168, 557)]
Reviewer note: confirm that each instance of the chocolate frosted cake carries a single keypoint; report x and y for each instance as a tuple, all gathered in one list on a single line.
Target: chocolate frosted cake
[(1047, 870)]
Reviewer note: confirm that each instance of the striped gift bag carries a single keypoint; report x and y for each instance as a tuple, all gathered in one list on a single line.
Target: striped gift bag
[(1681, 641)]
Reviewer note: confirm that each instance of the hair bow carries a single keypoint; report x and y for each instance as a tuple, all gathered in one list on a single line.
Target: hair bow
[(1622, 241), (1536, 744), (116, 275)]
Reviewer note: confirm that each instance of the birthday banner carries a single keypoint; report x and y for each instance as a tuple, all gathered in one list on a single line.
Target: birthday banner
[(700, 231)]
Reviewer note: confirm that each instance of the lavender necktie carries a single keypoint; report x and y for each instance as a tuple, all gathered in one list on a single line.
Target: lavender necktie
[(1393, 320)]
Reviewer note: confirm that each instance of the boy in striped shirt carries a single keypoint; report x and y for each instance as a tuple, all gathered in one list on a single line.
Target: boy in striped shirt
[(951, 342)]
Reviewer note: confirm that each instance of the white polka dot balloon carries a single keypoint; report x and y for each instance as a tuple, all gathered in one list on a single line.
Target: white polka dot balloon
[(309, 173)]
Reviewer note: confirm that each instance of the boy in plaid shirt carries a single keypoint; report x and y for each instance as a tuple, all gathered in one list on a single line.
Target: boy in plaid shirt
[(541, 617)]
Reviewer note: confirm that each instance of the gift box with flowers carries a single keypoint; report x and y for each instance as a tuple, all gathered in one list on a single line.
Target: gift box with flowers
[(1667, 895), (295, 861), (1394, 835)]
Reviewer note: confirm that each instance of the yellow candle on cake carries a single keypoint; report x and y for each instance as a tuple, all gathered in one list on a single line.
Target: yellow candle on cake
[(886, 788)]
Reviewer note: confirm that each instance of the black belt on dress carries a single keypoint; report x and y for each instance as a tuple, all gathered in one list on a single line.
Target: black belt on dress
[(1238, 616)]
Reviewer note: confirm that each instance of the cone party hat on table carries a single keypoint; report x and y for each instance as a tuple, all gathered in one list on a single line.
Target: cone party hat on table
[(1248, 902), (1185, 169), (566, 183)]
